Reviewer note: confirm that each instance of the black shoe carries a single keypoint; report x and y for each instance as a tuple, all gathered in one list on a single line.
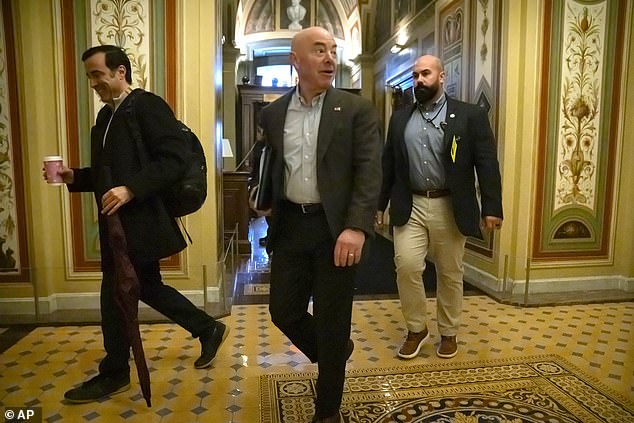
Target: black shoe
[(98, 387), (262, 241), (210, 342)]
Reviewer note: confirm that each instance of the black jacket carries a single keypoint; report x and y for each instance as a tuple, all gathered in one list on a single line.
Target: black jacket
[(151, 233)]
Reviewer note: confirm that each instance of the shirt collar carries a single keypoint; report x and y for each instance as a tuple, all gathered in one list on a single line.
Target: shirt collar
[(118, 100), (299, 100)]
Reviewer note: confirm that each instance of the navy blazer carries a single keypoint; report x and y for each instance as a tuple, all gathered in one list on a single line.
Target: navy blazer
[(348, 160), (468, 125)]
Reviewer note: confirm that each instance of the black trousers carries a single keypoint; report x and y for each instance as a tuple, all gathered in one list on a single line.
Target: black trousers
[(154, 293), (302, 266)]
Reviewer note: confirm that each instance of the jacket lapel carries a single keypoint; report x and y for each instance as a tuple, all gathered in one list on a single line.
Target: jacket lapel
[(401, 125), (329, 110), (450, 118), (97, 135)]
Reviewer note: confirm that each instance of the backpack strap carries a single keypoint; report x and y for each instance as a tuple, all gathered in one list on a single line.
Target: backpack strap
[(135, 129), (133, 125)]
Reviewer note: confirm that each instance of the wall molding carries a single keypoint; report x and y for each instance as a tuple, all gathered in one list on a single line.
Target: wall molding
[(573, 285), (86, 301)]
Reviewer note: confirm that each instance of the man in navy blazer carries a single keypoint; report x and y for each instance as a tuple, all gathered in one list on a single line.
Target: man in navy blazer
[(326, 177), (432, 149)]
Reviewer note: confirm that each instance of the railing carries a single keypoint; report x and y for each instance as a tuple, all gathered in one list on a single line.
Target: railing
[(227, 265)]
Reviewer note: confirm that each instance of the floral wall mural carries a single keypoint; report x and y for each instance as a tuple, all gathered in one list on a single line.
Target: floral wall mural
[(579, 121), (124, 23), (14, 258), (582, 70), (8, 212)]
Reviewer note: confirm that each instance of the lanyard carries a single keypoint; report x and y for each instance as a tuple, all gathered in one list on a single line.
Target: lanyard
[(431, 120)]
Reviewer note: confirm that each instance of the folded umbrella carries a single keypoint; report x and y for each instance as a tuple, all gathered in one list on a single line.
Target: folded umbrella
[(127, 293)]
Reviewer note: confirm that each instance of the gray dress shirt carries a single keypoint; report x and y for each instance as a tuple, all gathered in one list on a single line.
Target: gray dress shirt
[(425, 146), (300, 149)]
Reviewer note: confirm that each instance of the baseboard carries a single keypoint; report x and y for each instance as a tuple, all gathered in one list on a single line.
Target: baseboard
[(553, 290), (85, 301)]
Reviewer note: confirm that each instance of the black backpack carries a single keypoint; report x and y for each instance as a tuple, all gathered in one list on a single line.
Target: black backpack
[(189, 193)]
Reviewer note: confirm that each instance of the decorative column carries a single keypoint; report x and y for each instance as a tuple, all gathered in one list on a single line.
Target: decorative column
[(366, 63), (229, 57)]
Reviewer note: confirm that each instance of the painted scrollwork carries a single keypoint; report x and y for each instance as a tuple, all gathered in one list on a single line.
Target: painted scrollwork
[(8, 233), (122, 23), (580, 111), (484, 27)]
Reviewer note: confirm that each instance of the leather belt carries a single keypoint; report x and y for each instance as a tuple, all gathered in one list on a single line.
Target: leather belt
[(305, 208), (432, 193)]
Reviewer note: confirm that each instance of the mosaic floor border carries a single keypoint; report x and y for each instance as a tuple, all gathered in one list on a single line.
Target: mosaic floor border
[(542, 388)]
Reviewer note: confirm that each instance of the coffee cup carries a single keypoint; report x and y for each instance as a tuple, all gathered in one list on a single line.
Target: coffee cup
[(52, 167)]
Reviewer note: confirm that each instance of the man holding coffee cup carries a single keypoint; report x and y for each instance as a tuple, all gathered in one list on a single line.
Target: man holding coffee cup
[(122, 186)]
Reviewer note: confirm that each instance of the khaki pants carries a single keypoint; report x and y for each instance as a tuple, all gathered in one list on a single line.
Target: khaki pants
[(431, 229)]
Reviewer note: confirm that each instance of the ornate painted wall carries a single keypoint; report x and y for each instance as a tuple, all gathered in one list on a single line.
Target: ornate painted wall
[(583, 53), (14, 259), (293, 15), (466, 36)]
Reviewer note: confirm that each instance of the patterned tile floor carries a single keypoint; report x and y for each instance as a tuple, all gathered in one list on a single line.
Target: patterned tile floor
[(597, 338), (38, 369)]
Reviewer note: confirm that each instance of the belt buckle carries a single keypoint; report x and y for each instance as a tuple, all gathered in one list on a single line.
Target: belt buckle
[(304, 210)]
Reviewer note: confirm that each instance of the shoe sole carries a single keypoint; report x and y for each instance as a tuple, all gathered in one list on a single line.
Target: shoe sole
[(118, 391), (415, 353), (224, 336)]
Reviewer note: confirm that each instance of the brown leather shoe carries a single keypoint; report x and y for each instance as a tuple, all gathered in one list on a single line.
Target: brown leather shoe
[(413, 343), (448, 347)]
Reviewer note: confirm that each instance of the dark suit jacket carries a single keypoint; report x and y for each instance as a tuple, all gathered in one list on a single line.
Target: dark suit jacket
[(151, 233), (348, 160), (469, 124)]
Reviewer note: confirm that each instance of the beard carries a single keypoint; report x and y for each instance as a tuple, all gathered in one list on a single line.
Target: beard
[(425, 93)]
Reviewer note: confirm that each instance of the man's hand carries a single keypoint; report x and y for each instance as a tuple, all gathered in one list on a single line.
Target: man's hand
[(491, 223), (348, 247), (68, 176), (113, 199)]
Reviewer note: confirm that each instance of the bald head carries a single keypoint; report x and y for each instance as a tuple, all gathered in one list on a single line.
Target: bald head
[(430, 61), (307, 35), (314, 56)]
